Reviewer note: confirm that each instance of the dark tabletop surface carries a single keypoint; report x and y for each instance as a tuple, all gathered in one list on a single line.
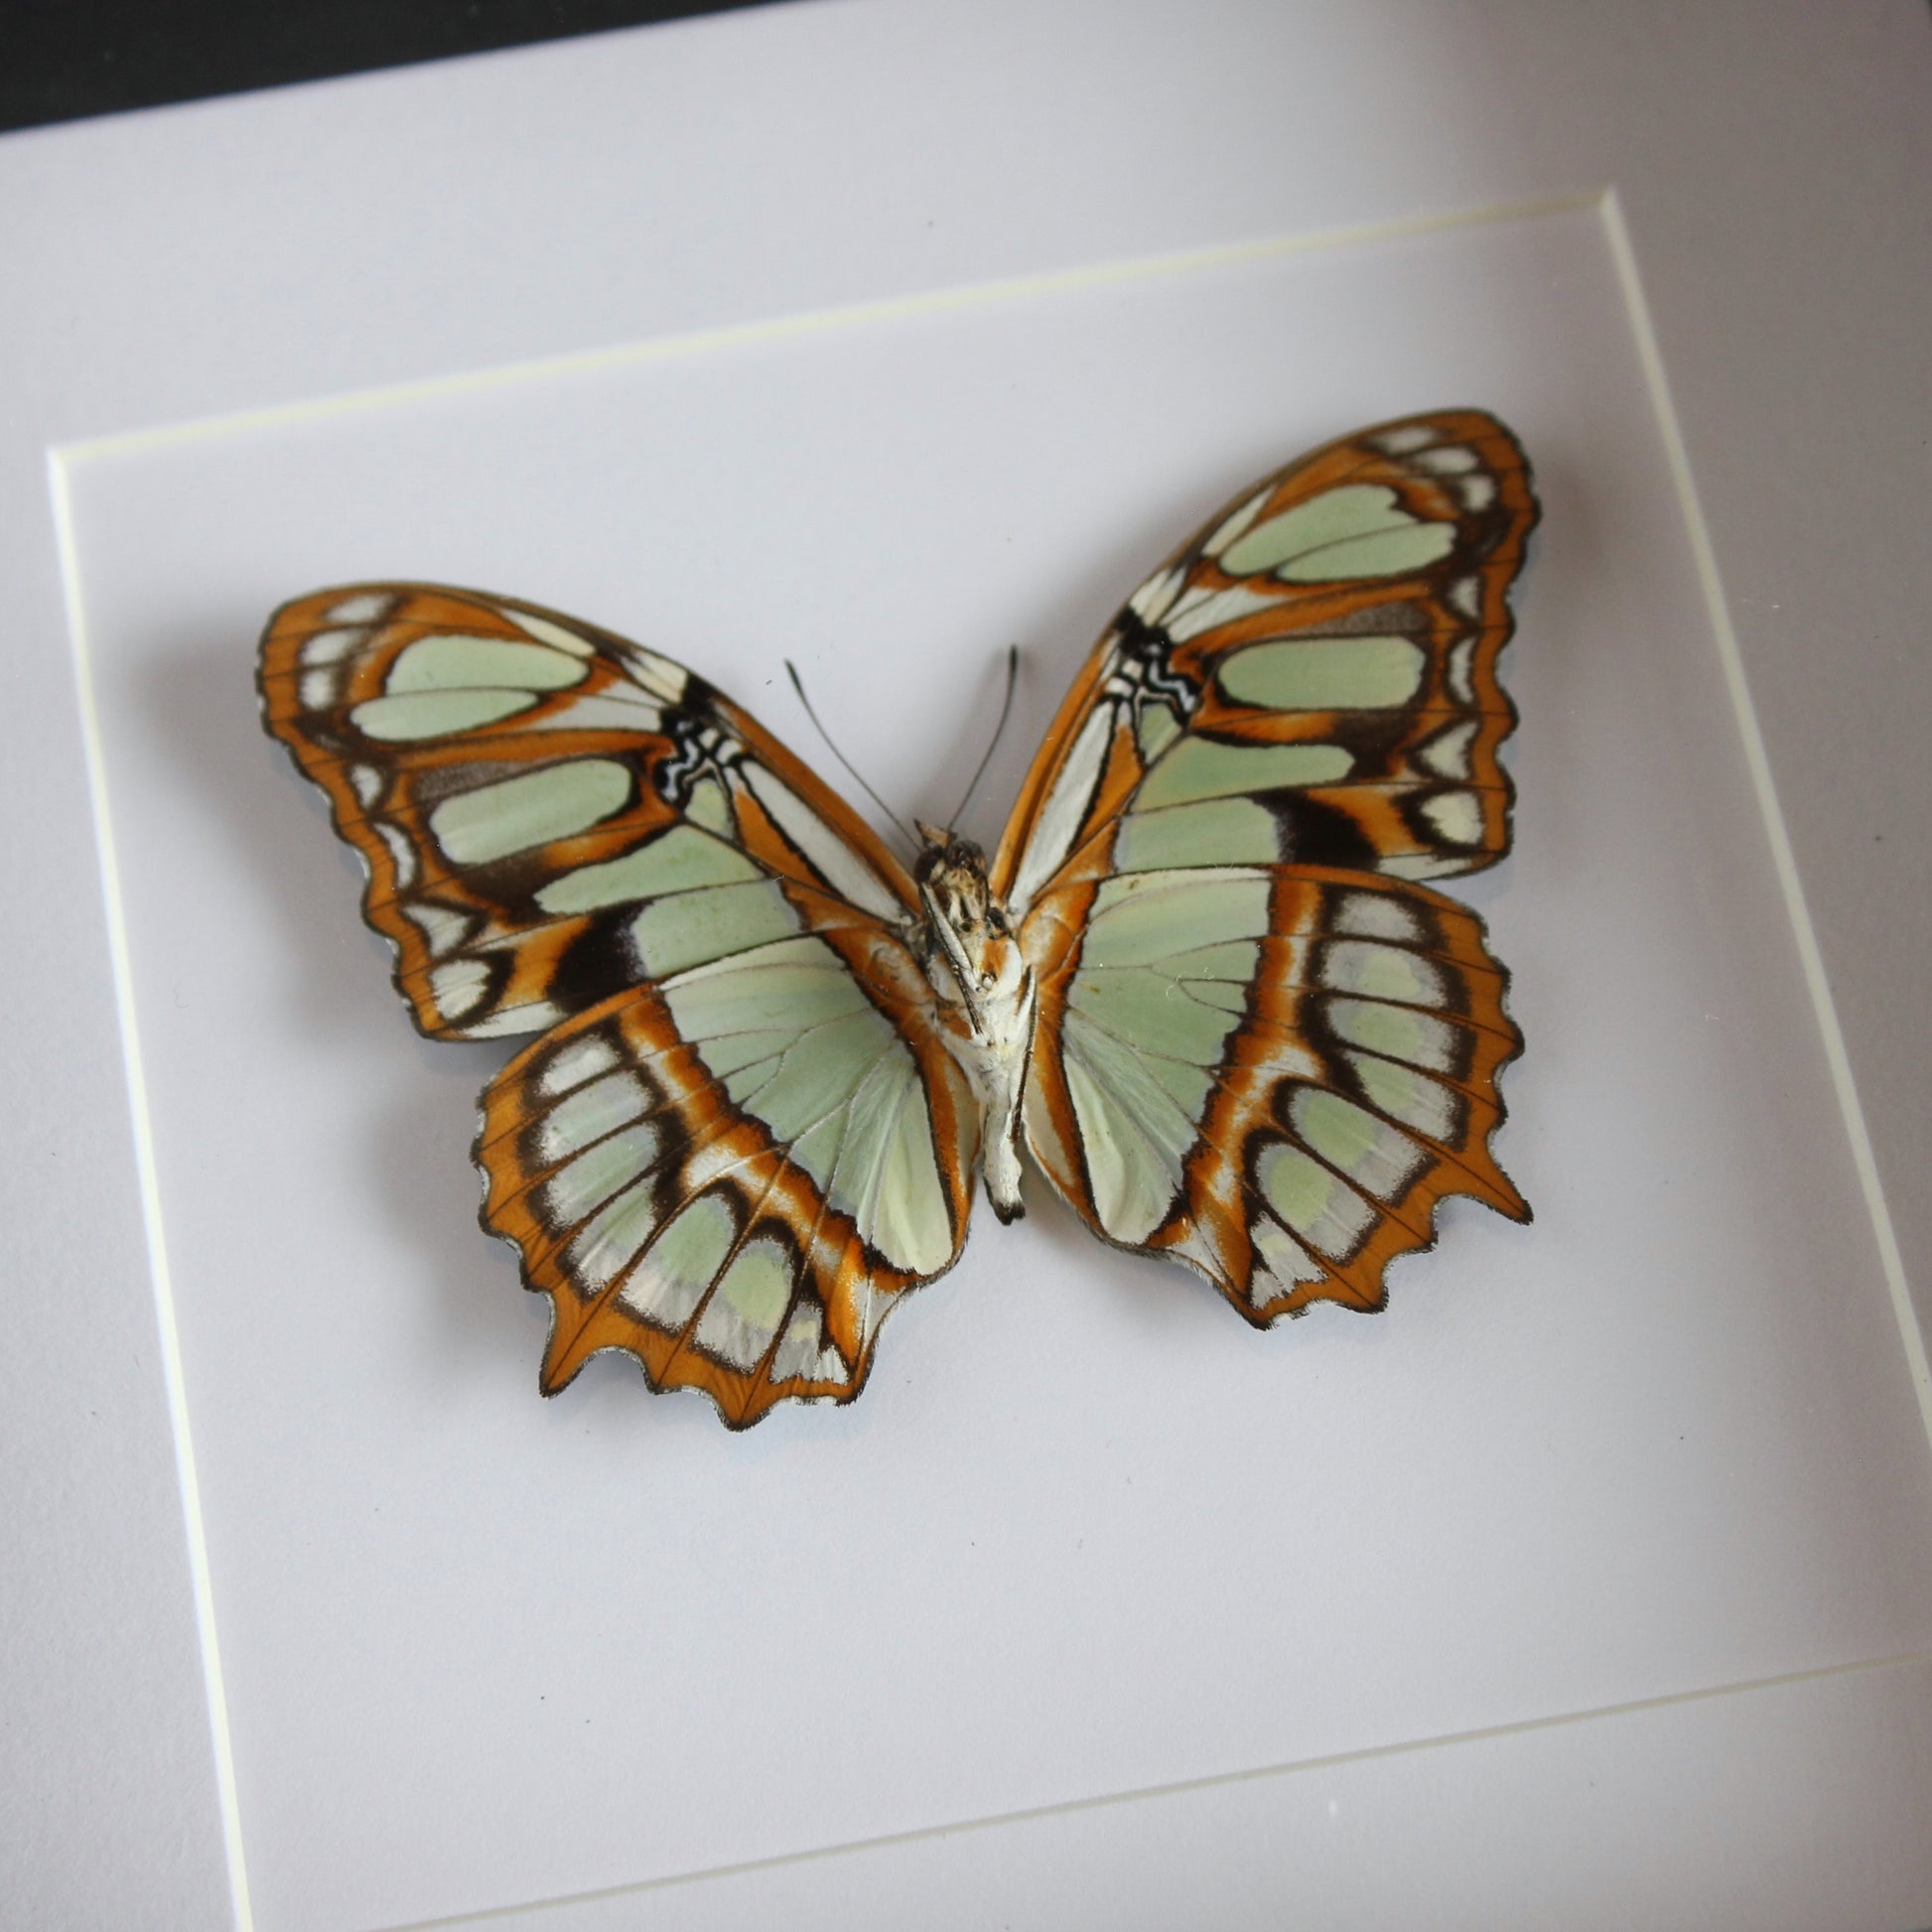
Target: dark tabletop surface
[(66, 60)]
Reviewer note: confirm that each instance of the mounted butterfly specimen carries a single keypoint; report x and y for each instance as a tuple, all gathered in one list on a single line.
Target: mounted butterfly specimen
[(1200, 980)]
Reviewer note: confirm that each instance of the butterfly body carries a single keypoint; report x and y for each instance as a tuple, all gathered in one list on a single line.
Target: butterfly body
[(989, 997), (1200, 981)]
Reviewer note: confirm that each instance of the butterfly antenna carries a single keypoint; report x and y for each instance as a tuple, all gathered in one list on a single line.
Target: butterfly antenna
[(798, 685), (999, 729)]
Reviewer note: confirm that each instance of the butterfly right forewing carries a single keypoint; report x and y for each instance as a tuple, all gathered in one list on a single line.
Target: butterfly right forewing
[(1311, 679)]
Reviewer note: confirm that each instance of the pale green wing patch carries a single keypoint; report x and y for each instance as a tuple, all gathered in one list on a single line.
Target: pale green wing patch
[(692, 928), (1356, 530), (449, 683), (1314, 1202), (422, 714), (1154, 917), (458, 663), (1205, 768), (1364, 673), (1212, 832), (679, 861), (555, 801)]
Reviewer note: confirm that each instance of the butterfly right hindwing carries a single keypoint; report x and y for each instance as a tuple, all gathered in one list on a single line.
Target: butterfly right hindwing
[(1272, 1073)]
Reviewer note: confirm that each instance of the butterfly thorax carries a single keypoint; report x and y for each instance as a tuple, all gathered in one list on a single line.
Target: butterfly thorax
[(987, 999)]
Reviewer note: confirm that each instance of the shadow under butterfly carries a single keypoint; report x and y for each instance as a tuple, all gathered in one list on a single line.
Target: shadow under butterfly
[(1201, 980)]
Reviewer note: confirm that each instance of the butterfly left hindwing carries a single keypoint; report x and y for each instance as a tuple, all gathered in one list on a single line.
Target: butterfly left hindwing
[(741, 1138)]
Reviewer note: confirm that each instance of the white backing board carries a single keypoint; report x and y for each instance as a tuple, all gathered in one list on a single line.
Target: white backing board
[(1084, 1532)]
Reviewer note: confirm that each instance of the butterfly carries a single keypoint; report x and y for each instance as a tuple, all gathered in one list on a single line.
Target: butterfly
[(1200, 980)]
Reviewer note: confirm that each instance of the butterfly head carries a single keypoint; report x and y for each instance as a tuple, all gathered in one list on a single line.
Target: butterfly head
[(951, 875), (966, 925)]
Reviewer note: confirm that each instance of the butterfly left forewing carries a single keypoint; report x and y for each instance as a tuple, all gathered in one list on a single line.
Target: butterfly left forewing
[(1264, 1047), (741, 1138), (521, 784)]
